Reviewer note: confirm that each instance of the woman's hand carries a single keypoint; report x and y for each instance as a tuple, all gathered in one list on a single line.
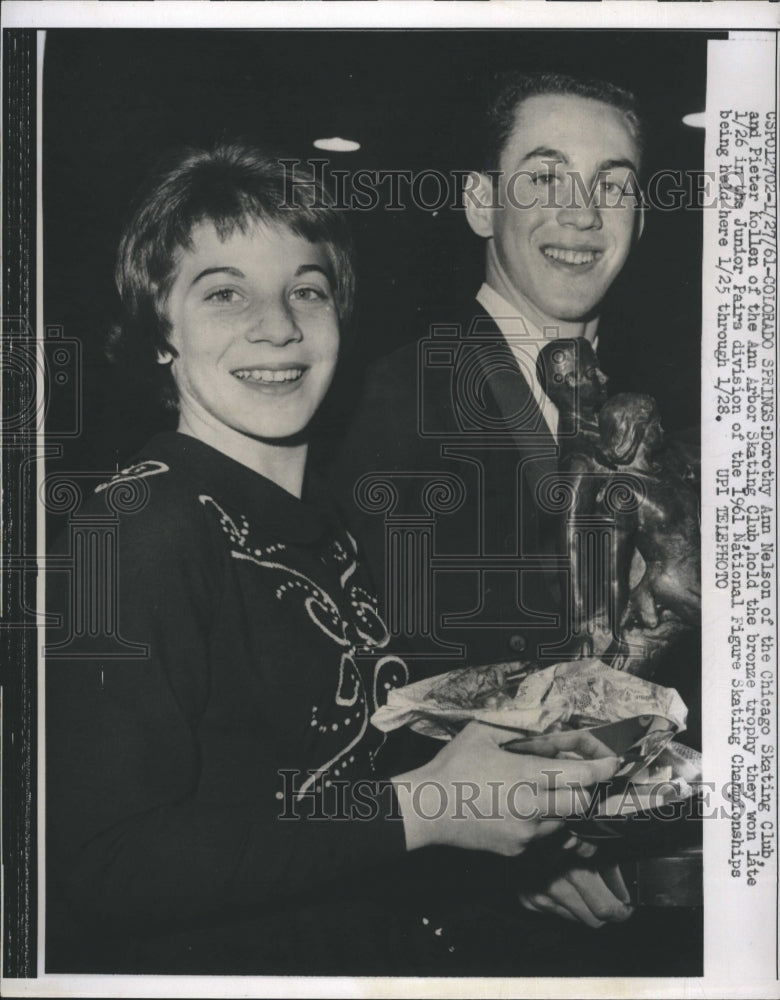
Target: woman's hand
[(592, 896), (477, 796)]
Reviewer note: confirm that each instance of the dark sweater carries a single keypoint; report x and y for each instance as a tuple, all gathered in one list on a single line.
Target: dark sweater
[(168, 774)]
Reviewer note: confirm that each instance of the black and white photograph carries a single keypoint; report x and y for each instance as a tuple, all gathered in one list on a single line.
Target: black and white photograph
[(389, 502)]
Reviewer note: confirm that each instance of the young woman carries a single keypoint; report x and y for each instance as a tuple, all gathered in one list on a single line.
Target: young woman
[(216, 801)]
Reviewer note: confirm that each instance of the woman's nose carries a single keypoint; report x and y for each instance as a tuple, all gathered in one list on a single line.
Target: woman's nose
[(274, 324)]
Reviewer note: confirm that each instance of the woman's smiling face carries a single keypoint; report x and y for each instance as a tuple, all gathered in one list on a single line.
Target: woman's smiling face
[(254, 324)]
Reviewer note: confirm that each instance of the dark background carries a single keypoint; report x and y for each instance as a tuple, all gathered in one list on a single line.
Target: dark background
[(114, 100)]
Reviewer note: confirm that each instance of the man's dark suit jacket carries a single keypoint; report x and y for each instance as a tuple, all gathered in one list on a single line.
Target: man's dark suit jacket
[(445, 472)]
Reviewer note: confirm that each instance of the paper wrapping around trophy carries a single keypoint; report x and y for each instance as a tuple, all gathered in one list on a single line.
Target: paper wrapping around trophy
[(579, 693)]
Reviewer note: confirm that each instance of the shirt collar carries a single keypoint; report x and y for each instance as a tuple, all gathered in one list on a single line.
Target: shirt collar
[(242, 490), (513, 324)]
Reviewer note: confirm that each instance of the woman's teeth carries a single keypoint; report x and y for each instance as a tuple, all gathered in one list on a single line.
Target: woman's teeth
[(268, 374), (570, 256)]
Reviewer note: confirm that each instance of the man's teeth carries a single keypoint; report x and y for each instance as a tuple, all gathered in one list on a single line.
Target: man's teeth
[(268, 374), (570, 256)]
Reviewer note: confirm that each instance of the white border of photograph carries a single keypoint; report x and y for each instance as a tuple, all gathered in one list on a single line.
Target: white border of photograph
[(740, 921)]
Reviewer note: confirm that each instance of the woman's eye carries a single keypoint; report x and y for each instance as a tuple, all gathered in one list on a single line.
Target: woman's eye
[(308, 293), (544, 179), (223, 295)]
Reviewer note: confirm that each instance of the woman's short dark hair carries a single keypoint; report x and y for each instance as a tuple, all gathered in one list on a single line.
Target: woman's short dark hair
[(511, 89), (623, 420), (231, 185)]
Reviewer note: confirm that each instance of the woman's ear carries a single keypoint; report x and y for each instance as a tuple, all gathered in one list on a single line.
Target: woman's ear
[(478, 201)]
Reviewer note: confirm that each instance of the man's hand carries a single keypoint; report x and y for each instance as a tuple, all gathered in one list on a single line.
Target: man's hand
[(475, 795), (593, 896)]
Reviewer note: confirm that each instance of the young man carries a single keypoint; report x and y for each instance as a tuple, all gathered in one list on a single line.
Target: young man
[(450, 464), (557, 202)]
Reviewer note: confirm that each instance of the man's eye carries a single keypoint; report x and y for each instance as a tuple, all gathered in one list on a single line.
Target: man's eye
[(617, 191), (544, 179), (223, 295)]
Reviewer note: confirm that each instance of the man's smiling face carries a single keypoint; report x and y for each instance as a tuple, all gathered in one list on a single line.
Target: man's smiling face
[(567, 215)]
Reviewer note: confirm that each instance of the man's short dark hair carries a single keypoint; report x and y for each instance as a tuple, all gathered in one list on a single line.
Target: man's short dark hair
[(231, 185), (511, 89)]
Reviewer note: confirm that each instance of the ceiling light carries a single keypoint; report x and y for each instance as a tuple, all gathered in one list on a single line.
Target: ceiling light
[(337, 145)]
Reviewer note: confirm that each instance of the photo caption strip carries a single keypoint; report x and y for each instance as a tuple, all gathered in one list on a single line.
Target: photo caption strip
[(739, 506)]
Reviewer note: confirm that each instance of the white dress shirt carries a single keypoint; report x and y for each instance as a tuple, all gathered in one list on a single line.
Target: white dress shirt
[(525, 340)]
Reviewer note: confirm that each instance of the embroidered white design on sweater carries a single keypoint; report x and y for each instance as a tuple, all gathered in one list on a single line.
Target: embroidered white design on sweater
[(366, 632), (394, 669), (347, 665), (139, 471)]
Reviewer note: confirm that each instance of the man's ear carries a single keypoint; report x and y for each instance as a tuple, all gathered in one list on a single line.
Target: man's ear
[(478, 200), (164, 357), (640, 226)]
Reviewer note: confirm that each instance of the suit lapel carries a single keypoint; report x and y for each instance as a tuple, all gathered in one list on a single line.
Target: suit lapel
[(509, 404)]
